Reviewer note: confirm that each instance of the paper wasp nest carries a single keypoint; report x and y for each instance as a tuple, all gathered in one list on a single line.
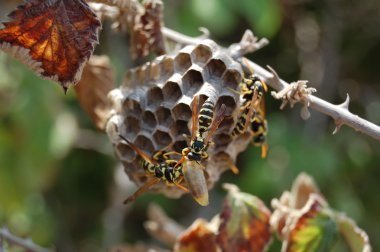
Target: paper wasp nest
[(153, 109)]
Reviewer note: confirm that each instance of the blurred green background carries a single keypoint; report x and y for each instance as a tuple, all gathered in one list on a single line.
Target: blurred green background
[(60, 183)]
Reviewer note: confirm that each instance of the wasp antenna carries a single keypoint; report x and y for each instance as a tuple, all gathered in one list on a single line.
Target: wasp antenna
[(139, 152), (194, 116)]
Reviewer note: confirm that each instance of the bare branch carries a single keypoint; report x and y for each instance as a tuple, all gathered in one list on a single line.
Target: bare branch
[(179, 37), (27, 244), (339, 113)]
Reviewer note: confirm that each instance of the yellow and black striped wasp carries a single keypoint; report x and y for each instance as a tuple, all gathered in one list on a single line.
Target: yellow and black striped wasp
[(252, 112), (203, 121), (160, 167)]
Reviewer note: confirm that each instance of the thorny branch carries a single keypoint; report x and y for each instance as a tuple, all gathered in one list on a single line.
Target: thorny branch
[(27, 244), (339, 113)]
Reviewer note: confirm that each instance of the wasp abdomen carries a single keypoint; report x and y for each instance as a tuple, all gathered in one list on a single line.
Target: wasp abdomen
[(205, 116)]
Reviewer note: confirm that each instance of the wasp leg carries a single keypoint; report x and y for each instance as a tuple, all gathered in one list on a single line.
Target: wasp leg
[(141, 190), (184, 155), (204, 155), (182, 188), (234, 91), (234, 169), (167, 154)]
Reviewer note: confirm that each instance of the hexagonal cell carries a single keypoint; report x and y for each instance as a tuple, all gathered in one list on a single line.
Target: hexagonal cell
[(179, 128), (164, 116), (182, 62), (132, 125), (154, 97), (166, 68), (214, 69), (231, 79), (201, 54), (226, 125), (125, 152), (141, 75), (132, 106), (181, 111), (145, 144), (191, 82), (128, 79), (162, 138), (178, 146), (154, 71), (172, 92), (222, 140), (230, 103), (148, 120)]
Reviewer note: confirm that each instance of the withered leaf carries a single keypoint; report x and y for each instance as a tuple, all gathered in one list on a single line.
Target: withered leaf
[(356, 238), (145, 29), (198, 237), (313, 229), (244, 223), (55, 38), (98, 79)]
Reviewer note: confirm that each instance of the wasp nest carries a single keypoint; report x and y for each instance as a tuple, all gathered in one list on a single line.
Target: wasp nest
[(152, 109)]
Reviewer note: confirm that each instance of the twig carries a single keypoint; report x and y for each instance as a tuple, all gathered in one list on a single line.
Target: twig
[(339, 113), (179, 37), (24, 243)]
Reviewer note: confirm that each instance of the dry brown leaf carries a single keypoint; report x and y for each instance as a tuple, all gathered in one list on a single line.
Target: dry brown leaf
[(54, 38), (98, 79), (198, 237), (145, 29)]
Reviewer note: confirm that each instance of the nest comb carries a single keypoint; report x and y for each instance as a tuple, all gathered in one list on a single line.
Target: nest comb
[(152, 109)]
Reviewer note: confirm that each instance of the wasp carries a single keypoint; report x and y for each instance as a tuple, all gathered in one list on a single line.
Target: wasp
[(252, 111), (252, 93), (203, 121), (161, 167), (259, 128)]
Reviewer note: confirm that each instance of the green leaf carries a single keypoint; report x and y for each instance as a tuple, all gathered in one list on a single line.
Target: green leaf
[(356, 238), (314, 229), (244, 223)]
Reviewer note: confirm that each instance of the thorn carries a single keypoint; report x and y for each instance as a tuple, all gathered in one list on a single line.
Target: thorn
[(283, 104), (345, 104), (275, 79), (205, 33), (338, 124), (305, 113)]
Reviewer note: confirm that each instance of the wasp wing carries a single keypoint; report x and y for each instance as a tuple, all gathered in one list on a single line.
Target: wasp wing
[(195, 180)]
